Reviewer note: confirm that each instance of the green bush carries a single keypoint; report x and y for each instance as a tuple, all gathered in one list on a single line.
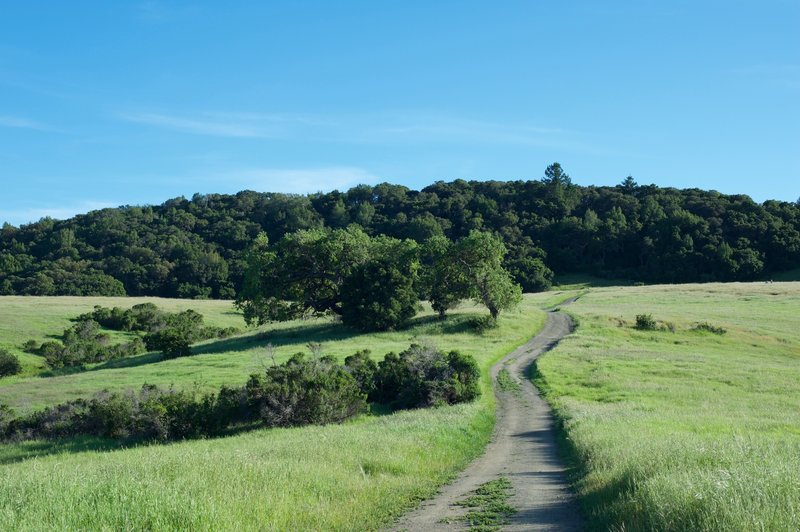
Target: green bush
[(707, 327), (173, 343), (305, 391), (30, 346), (423, 376), (363, 370), (9, 364), (6, 416), (645, 322)]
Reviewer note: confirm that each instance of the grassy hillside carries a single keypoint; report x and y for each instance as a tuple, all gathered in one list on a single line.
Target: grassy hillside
[(42, 318), (232, 360), (684, 430), (348, 477)]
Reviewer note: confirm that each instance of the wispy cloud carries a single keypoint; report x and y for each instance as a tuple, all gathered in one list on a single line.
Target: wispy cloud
[(301, 180), (198, 126), (23, 123), (60, 212), (387, 127)]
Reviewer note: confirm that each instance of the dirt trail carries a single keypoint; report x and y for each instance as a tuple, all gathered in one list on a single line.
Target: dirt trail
[(523, 449)]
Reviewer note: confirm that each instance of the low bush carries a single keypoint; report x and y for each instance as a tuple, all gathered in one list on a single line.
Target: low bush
[(423, 376), (171, 342), (9, 364), (645, 322), (85, 343), (30, 346), (707, 327), (151, 414), (305, 391), (301, 391), (6, 416), (363, 370)]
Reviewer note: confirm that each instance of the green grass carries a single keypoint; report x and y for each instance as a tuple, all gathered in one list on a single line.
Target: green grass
[(488, 506), (45, 318), (232, 360), (684, 430), (355, 476), (507, 383)]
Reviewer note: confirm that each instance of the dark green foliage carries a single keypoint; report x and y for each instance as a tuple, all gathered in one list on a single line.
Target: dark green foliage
[(302, 274), (479, 256), (381, 293), (197, 247), (171, 342), (6, 416), (30, 346), (707, 327), (443, 282), (645, 322), (370, 282), (84, 343), (9, 364), (363, 370), (422, 376), (305, 391), (301, 391), (151, 414)]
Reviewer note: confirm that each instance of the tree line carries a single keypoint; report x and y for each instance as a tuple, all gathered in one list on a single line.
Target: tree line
[(197, 247)]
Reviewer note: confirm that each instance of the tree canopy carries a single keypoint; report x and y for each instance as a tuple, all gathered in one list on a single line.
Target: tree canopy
[(373, 283), (197, 247)]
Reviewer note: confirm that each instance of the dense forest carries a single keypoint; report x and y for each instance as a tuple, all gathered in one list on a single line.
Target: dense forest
[(196, 247)]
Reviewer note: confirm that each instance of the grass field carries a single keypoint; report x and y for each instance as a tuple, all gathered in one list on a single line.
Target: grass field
[(683, 430), (346, 477), (45, 318)]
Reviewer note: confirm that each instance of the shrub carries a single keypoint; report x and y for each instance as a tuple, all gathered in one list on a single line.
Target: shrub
[(363, 369), (6, 416), (171, 342), (645, 322), (423, 376), (9, 364), (31, 346), (304, 391), (705, 326)]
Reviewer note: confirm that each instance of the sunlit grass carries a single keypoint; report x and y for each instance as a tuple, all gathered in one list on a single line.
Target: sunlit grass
[(687, 430)]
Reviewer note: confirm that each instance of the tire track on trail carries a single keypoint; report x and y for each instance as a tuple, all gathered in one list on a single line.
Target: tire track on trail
[(523, 450)]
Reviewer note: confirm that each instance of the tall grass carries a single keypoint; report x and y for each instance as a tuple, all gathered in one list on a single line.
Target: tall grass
[(687, 430)]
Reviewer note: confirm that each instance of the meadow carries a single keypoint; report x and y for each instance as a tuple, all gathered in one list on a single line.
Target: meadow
[(341, 477), (682, 429)]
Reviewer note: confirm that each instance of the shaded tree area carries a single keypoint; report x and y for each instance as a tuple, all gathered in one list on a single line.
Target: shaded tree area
[(372, 283), (196, 247)]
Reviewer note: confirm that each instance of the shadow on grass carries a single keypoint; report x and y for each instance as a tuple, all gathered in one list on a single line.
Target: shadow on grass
[(18, 452), (575, 281)]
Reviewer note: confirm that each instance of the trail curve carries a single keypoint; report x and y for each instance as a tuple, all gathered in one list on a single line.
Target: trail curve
[(523, 449)]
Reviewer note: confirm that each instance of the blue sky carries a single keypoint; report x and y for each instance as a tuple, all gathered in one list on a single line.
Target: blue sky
[(109, 103)]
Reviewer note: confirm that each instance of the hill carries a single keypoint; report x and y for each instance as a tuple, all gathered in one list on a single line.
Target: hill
[(193, 248)]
